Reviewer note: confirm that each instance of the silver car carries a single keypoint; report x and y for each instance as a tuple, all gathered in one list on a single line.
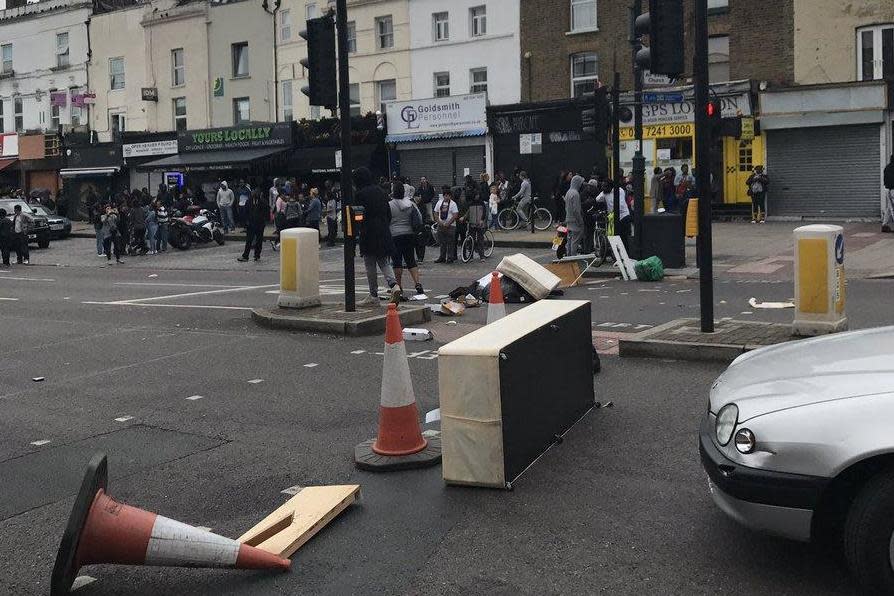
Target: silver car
[(798, 441)]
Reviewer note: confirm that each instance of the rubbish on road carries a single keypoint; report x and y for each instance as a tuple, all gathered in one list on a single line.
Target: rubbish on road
[(496, 416), (753, 303), (568, 272), (650, 269), (297, 520), (103, 530), (38, 379), (622, 260), (560, 238), (419, 297), (451, 323), (485, 281), (412, 334), (433, 416), (399, 443), (152, 275), (453, 308), (471, 301), (512, 292), (530, 275), (496, 308)]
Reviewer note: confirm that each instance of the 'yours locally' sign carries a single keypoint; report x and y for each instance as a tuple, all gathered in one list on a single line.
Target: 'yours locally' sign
[(249, 136)]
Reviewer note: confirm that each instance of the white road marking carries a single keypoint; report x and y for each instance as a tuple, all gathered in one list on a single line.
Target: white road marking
[(208, 306), (173, 285), (195, 397), (28, 278), (10, 299), (358, 352), (123, 418), (40, 442), (189, 294), (311, 365), (746, 312), (256, 381)]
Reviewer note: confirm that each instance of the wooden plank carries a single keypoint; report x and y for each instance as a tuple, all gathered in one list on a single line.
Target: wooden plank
[(567, 271), (288, 528)]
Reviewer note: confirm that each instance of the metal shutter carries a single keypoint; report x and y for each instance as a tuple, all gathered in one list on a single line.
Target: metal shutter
[(469, 157), (824, 172), (435, 164)]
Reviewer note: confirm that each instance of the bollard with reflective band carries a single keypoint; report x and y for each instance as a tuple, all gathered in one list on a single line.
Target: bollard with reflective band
[(299, 268), (819, 280), (692, 218)]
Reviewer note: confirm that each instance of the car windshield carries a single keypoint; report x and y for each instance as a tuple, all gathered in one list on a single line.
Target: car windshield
[(40, 210)]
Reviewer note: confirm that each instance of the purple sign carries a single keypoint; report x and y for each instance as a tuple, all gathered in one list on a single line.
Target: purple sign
[(58, 99)]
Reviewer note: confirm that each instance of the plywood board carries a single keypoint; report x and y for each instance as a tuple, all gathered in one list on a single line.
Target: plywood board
[(567, 271), (294, 523)]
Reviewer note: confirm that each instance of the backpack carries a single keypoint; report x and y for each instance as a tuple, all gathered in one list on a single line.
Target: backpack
[(293, 211)]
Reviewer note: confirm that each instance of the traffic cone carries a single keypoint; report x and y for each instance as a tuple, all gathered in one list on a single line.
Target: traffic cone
[(399, 443), (103, 530), (496, 308)]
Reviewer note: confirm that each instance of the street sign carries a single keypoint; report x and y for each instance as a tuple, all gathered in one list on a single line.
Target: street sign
[(149, 93), (662, 97), (338, 159)]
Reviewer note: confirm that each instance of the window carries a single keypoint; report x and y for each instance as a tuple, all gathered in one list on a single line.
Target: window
[(6, 55), (718, 5), (583, 15), (178, 68), (241, 111), (17, 112), (2, 118), (354, 94), (287, 114), (116, 73), (386, 91), (478, 18), (441, 26), (54, 113), (240, 59), (442, 84), (179, 109), (584, 71), (285, 25), (62, 50), (875, 53), (384, 32), (718, 59), (117, 123), (352, 37), (75, 111), (478, 80), (310, 11), (314, 112)]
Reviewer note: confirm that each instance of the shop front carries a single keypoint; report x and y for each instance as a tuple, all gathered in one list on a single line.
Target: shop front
[(141, 148), (669, 138), (9, 163), (443, 139), (91, 170)]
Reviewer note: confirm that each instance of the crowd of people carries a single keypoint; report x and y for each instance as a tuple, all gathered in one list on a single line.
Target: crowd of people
[(130, 223)]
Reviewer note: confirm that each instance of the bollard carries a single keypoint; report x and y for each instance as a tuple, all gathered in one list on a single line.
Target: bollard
[(819, 280), (299, 268), (692, 218)]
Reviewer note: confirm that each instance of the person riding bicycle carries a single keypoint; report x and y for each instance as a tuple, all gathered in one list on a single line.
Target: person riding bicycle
[(523, 196)]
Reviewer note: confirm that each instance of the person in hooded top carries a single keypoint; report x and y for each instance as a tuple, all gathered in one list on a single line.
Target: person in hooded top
[(405, 220), (376, 244), (574, 216)]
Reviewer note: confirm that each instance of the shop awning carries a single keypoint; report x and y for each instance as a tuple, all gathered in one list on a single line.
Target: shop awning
[(87, 172), (210, 160), (5, 163), (428, 136)]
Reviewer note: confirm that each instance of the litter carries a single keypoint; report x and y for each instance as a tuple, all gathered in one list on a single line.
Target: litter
[(453, 308), (433, 416), (753, 303), (152, 275), (418, 297), (411, 334), (451, 322), (38, 379)]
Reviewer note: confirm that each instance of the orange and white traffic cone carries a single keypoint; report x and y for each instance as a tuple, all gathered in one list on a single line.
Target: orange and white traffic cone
[(103, 530), (496, 308), (399, 444)]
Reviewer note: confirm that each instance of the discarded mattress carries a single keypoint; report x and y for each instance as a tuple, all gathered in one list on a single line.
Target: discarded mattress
[(536, 279)]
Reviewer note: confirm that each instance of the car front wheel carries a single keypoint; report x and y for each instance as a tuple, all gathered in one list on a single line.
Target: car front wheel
[(869, 535)]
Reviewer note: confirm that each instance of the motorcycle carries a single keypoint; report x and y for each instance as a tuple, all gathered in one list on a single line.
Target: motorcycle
[(196, 225)]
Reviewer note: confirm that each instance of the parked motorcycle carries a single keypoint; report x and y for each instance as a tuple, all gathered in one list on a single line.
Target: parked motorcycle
[(196, 225)]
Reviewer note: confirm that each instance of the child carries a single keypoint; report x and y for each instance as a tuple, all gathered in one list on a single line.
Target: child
[(494, 206)]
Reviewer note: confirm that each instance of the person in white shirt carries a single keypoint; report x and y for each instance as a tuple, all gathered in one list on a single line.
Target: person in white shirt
[(622, 227), (225, 200), (446, 212)]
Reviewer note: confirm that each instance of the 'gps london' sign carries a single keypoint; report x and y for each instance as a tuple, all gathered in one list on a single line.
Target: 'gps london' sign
[(236, 137)]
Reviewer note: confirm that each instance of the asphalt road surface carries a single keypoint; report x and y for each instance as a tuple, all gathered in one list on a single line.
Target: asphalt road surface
[(620, 507)]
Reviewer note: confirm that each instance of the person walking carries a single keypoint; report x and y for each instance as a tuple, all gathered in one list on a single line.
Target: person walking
[(757, 189), (137, 227), (574, 216), (161, 215), (110, 241), (523, 196), (655, 188), (94, 212), (446, 214), (243, 192), (405, 220), (21, 224), (314, 211), (888, 220), (684, 185), (225, 200), (622, 227), (493, 206), (426, 193), (152, 227), (331, 212), (6, 237), (375, 240), (256, 218)]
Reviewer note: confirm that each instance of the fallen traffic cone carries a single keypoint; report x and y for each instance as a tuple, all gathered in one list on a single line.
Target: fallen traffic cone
[(102, 530), (399, 444), (496, 308)]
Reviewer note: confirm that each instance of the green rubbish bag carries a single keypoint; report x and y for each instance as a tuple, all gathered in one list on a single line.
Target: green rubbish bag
[(651, 269)]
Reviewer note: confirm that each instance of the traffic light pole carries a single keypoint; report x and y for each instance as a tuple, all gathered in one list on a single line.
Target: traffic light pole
[(703, 171), (639, 161), (344, 109), (616, 147)]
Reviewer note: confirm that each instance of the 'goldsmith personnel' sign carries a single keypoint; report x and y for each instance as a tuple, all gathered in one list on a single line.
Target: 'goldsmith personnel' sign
[(248, 136)]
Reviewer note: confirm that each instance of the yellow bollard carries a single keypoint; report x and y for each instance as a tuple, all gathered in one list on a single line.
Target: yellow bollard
[(819, 280), (692, 219), (299, 268)]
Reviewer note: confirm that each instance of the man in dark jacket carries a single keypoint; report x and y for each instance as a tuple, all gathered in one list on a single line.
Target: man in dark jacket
[(6, 236), (256, 210), (888, 220), (426, 194), (375, 236)]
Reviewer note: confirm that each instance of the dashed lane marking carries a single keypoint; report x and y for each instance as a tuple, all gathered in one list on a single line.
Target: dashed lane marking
[(256, 381), (9, 299), (40, 442), (358, 352), (311, 365), (195, 397), (123, 418)]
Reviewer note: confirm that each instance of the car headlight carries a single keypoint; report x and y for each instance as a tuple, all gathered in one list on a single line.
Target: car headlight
[(726, 423), (745, 440)]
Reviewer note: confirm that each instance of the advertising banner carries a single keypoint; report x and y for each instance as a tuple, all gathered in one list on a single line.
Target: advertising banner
[(147, 149), (419, 118), (248, 136)]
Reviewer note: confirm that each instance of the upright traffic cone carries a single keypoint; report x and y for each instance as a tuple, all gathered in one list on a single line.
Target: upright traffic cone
[(103, 530), (496, 308), (399, 444)]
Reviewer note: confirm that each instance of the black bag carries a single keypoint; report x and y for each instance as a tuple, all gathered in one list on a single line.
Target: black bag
[(512, 292)]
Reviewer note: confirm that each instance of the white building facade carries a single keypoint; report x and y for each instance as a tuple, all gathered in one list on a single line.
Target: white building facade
[(43, 63)]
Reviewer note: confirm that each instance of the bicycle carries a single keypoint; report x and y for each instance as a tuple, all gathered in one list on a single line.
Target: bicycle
[(604, 226), (467, 250), (509, 219)]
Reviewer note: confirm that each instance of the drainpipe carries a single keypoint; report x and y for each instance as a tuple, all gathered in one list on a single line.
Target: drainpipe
[(275, 59)]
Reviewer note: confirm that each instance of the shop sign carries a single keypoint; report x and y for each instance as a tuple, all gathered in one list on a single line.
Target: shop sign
[(236, 137), (660, 131), (747, 129), (149, 93), (656, 80), (9, 145), (218, 87), (146, 149), (684, 111), (58, 99), (80, 100), (461, 113)]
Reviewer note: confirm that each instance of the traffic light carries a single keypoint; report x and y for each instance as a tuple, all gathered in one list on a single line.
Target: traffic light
[(596, 115), (664, 26), (322, 88), (715, 118)]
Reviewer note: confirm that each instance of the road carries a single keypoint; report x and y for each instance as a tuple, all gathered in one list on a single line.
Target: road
[(620, 507)]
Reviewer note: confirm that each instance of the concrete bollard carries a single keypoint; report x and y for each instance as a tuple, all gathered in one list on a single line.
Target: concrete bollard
[(299, 268), (819, 280)]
